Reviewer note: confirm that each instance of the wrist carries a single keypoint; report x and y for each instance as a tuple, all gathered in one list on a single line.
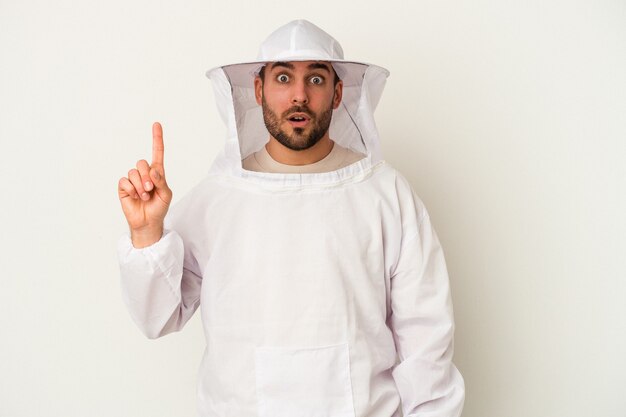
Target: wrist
[(146, 236)]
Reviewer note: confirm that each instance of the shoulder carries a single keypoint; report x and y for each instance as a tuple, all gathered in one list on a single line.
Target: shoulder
[(409, 202), (393, 178), (194, 202)]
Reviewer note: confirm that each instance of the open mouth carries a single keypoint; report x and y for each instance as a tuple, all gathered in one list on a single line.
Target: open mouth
[(298, 120)]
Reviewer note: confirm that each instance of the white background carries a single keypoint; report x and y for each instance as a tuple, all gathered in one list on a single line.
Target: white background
[(508, 117)]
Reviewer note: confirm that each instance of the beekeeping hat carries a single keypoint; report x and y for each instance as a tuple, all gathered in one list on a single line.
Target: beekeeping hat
[(352, 123)]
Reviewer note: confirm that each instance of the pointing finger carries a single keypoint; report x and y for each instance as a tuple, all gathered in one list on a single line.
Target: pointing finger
[(157, 144)]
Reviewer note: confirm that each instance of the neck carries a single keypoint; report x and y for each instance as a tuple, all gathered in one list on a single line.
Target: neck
[(284, 155)]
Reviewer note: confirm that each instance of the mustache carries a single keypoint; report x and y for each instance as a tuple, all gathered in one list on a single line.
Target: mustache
[(298, 109)]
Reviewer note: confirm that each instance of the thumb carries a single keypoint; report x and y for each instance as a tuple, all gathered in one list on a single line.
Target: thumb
[(155, 175), (160, 184)]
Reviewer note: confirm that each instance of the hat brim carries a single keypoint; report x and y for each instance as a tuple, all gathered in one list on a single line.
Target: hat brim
[(242, 74)]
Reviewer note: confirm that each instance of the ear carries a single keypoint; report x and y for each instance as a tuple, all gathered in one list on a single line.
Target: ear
[(258, 89), (338, 94)]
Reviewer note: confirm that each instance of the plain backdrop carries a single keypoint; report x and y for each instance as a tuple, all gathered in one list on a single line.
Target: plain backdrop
[(507, 117)]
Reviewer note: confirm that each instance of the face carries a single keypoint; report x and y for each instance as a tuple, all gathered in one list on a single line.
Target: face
[(298, 99)]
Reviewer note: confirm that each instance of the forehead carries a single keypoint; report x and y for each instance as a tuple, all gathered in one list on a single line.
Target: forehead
[(300, 65)]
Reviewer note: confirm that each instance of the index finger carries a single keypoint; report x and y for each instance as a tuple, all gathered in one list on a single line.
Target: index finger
[(157, 144)]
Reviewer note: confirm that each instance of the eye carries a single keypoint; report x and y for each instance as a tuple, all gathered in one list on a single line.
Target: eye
[(282, 78), (317, 80)]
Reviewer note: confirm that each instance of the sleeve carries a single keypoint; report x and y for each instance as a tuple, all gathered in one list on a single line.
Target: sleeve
[(159, 287), (422, 323)]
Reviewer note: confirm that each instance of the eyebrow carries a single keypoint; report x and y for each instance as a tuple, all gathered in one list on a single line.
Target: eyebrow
[(282, 64), (315, 65), (318, 65)]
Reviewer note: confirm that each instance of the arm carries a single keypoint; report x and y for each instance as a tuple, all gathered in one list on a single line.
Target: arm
[(423, 325), (160, 290), (160, 280)]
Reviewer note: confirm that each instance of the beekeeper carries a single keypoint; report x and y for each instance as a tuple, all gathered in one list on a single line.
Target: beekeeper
[(323, 285)]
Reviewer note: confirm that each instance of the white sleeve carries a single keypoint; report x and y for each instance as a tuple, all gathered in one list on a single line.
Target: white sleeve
[(423, 326), (161, 294)]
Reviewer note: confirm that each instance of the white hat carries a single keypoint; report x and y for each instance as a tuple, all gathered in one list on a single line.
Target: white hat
[(298, 40)]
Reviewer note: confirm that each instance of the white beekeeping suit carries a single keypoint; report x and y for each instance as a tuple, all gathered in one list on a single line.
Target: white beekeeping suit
[(322, 294)]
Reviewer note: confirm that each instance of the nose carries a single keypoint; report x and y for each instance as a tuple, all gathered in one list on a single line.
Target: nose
[(299, 94)]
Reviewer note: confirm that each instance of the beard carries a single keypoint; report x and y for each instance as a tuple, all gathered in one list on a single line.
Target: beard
[(298, 140)]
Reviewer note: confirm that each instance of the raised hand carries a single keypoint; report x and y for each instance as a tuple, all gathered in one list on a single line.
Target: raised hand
[(145, 196)]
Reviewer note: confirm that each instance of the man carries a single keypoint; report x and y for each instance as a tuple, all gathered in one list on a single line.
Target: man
[(305, 94), (323, 286)]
